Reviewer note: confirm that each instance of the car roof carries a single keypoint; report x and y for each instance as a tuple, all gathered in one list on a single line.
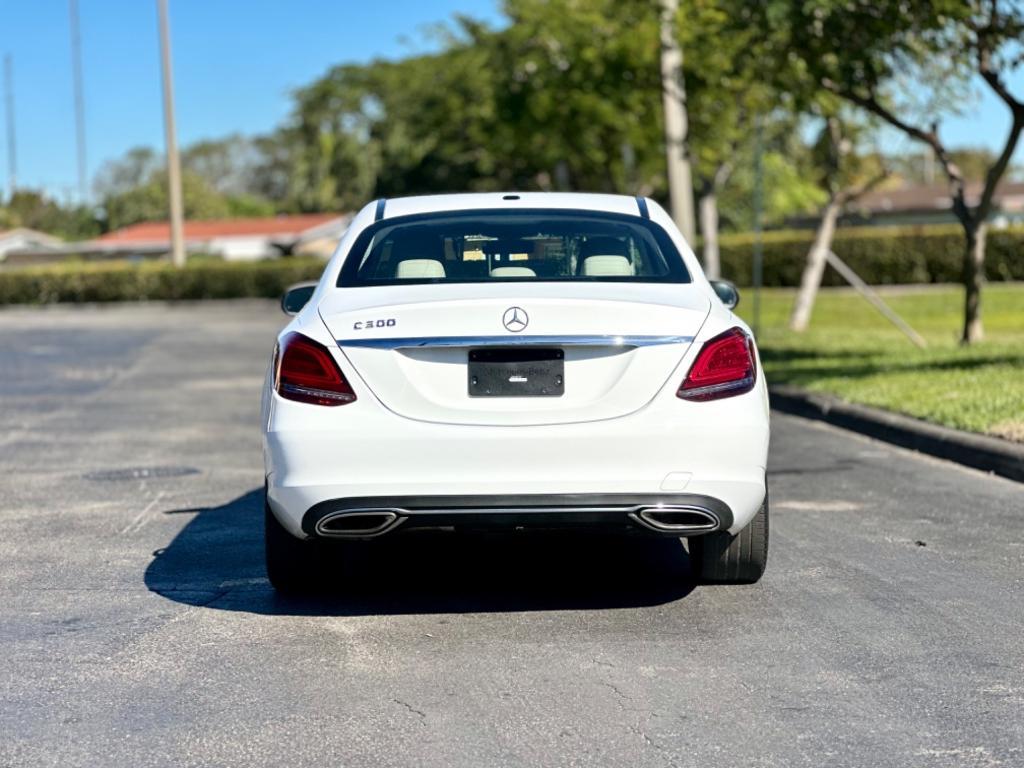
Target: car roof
[(408, 206)]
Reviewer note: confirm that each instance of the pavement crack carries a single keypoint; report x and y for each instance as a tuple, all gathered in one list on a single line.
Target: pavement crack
[(411, 708), (142, 518), (213, 599), (617, 690), (652, 743)]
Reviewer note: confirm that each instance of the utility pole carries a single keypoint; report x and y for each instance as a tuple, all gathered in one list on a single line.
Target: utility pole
[(12, 154), (76, 65), (171, 140), (673, 89)]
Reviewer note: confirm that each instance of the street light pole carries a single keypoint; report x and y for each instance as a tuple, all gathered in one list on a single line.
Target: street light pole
[(76, 66), (673, 89), (173, 161)]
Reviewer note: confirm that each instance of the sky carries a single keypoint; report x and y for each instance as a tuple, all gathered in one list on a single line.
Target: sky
[(235, 63)]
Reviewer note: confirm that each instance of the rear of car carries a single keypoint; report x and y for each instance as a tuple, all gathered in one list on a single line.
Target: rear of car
[(533, 360)]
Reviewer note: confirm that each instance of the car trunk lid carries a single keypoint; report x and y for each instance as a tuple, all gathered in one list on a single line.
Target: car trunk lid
[(502, 354)]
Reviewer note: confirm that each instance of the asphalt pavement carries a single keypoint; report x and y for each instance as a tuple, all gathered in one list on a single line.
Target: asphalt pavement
[(137, 627)]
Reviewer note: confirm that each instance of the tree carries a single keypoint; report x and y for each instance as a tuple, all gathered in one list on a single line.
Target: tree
[(676, 121), (132, 170), (226, 164), (578, 97), (844, 176), (858, 50), (728, 96), (148, 202), (34, 210), (220, 178)]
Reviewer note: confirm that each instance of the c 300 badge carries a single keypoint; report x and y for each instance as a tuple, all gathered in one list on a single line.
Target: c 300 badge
[(364, 325)]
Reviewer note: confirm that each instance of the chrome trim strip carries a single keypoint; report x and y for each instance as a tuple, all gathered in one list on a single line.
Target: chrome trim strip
[(514, 341), (511, 510)]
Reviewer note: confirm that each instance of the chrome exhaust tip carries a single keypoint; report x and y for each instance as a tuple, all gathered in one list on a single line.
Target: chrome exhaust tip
[(358, 523), (681, 519)]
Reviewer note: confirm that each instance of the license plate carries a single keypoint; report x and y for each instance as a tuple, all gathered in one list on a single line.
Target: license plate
[(516, 372)]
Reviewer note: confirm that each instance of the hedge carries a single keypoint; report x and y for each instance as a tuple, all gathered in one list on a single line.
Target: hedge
[(122, 281), (880, 255)]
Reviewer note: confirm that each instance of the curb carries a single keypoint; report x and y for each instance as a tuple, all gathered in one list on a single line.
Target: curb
[(989, 454)]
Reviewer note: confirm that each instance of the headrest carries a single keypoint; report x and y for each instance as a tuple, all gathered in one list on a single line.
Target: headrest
[(419, 268), (513, 272), (607, 266)]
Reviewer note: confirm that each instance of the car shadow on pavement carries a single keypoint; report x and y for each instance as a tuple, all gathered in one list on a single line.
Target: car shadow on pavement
[(216, 561)]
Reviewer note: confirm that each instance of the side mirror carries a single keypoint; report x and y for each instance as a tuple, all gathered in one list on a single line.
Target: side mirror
[(296, 297), (727, 292)]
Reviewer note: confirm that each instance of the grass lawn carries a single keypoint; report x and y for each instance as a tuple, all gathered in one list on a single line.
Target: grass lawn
[(852, 351)]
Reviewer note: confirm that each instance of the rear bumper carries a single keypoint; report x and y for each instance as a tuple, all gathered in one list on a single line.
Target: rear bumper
[(373, 516), (330, 456)]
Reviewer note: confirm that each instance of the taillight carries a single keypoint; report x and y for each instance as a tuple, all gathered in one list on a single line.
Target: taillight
[(307, 373), (724, 367)]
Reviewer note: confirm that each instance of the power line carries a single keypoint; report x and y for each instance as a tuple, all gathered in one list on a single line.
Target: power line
[(12, 154)]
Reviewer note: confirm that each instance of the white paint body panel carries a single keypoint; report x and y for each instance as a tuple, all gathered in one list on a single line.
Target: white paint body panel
[(602, 381), (414, 431)]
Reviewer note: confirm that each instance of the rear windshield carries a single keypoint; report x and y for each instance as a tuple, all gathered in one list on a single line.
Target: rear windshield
[(521, 246)]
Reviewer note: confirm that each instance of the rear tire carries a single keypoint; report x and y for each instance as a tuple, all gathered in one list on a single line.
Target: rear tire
[(292, 564), (722, 558)]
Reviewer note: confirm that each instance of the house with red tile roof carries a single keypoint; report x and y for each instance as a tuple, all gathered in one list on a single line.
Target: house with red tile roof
[(242, 239)]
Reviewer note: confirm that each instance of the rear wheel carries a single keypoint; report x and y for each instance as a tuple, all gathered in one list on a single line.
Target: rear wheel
[(722, 558), (292, 564)]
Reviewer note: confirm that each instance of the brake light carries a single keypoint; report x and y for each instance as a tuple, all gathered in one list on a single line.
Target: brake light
[(307, 373), (724, 367)]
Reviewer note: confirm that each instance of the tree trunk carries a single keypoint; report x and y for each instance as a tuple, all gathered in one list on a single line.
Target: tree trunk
[(815, 267), (709, 232), (974, 276), (677, 125)]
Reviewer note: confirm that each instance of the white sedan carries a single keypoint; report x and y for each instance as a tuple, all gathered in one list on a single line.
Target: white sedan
[(533, 360)]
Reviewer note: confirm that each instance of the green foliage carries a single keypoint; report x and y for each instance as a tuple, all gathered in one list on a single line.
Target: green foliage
[(149, 201), (728, 64), (566, 95), (851, 351), (220, 178), (34, 210), (579, 95), (789, 186), (154, 281), (245, 206), (880, 255)]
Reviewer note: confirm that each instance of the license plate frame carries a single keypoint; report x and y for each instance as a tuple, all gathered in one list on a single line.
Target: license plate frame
[(516, 372)]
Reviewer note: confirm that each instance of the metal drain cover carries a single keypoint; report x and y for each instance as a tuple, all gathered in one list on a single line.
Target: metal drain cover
[(139, 473)]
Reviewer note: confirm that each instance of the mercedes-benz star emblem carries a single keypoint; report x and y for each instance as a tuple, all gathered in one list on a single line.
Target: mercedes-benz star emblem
[(515, 319)]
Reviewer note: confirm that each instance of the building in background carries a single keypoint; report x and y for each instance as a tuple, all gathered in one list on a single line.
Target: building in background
[(252, 239), (20, 239), (919, 205), (933, 205), (232, 239)]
